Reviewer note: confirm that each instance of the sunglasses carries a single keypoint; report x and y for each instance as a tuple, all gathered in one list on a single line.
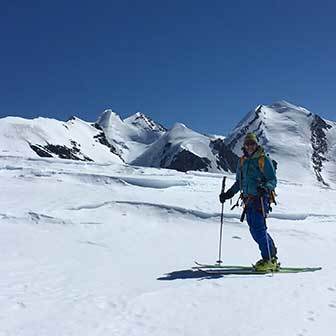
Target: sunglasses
[(249, 143)]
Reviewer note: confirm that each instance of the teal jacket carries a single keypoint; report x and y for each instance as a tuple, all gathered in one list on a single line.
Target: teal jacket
[(249, 176)]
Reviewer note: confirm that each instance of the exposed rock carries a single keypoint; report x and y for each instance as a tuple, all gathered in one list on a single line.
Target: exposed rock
[(247, 128), (149, 122), (185, 161), (226, 159), (320, 145), (62, 152), (40, 151)]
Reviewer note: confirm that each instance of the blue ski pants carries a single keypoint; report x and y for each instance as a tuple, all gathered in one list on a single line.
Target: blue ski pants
[(258, 228)]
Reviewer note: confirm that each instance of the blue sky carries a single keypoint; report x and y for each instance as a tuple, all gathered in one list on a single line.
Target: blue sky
[(203, 63)]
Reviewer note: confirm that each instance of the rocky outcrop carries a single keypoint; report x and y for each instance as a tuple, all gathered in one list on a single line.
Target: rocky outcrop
[(245, 127), (319, 144), (226, 159), (185, 161), (101, 138), (62, 152)]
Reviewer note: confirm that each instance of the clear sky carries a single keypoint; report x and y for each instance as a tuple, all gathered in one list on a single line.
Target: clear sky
[(203, 63)]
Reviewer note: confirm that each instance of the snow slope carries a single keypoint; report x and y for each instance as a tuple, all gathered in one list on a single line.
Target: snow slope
[(294, 136), (74, 139), (303, 144), (184, 149), (107, 249), (130, 136)]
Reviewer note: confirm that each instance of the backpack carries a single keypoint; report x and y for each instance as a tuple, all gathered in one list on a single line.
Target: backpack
[(261, 162)]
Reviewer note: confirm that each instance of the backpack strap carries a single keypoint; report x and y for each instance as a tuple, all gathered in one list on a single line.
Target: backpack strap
[(261, 163)]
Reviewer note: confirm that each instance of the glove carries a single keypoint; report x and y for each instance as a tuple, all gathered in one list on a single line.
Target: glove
[(262, 190), (225, 195)]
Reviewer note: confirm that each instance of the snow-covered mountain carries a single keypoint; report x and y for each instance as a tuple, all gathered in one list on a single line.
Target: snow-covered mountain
[(303, 143), (109, 139), (44, 137), (131, 136), (184, 149), (136, 139)]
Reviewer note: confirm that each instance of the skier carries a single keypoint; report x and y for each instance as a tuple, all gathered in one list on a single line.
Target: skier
[(256, 179)]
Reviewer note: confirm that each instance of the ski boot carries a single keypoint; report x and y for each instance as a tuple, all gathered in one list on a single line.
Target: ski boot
[(266, 265)]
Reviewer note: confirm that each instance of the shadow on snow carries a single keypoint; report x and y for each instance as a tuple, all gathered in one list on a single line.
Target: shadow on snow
[(189, 274), (196, 274)]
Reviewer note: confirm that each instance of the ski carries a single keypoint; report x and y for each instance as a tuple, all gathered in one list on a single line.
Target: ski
[(251, 271), (199, 265), (231, 269)]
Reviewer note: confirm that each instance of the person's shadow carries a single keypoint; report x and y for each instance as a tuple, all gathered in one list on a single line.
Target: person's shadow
[(189, 274)]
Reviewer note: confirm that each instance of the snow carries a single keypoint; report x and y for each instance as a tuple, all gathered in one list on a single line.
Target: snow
[(132, 135), (178, 138), (285, 132), (16, 135), (107, 249), (306, 142)]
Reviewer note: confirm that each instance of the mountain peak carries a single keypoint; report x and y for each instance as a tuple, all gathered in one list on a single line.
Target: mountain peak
[(140, 115), (283, 102), (140, 119), (110, 112), (108, 118), (183, 149), (291, 134), (179, 130), (179, 126), (283, 106)]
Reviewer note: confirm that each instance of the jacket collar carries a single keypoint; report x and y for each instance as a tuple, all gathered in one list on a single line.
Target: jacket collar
[(257, 153)]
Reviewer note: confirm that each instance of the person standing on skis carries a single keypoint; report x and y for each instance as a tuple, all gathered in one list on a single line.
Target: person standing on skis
[(256, 179)]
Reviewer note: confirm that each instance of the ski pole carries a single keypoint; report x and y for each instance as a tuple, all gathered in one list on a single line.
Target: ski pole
[(265, 215), (262, 207), (219, 261)]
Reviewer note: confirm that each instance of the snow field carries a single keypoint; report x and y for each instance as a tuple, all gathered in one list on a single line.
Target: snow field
[(93, 249)]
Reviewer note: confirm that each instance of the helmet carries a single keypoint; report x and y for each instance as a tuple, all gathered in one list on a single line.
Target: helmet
[(250, 137)]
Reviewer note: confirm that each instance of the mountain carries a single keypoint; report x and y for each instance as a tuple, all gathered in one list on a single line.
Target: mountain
[(109, 139), (184, 149), (131, 136), (304, 141), (136, 139), (44, 137)]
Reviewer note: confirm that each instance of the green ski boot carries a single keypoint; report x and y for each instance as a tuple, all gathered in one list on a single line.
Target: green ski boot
[(266, 265)]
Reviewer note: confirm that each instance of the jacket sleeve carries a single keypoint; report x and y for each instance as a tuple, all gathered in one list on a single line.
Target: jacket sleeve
[(236, 186), (269, 173)]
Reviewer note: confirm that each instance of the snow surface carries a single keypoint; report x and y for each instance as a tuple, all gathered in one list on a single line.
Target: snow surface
[(178, 138), (289, 133), (284, 131), (107, 249), (16, 135), (131, 136)]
